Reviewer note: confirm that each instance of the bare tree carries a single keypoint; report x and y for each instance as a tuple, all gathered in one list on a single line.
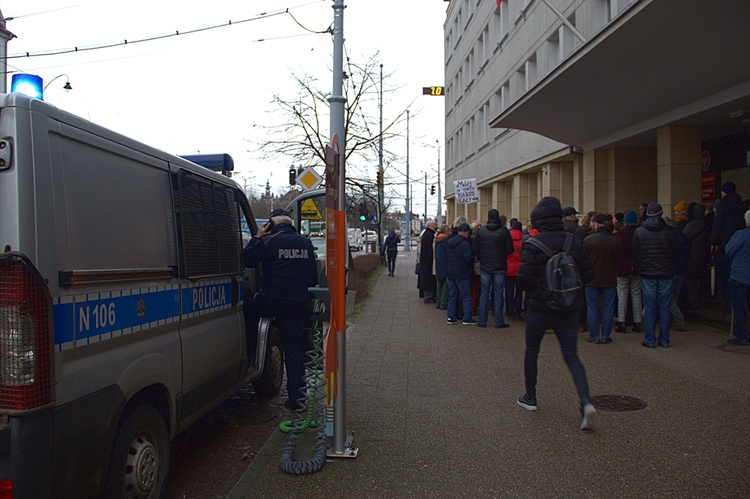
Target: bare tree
[(301, 135)]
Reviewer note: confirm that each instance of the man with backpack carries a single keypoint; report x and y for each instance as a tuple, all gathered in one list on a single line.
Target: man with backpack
[(554, 304)]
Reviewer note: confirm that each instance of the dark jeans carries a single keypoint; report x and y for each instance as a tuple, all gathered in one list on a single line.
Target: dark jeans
[(739, 293), (513, 296), (460, 287), (391, 261), (292, 318), (657, 299), (566, 329)]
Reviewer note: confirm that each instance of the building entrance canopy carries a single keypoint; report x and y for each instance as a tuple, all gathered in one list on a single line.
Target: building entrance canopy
[(660, 62)]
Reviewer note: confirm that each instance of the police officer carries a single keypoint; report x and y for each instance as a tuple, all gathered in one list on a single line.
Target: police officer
[(287, 264)]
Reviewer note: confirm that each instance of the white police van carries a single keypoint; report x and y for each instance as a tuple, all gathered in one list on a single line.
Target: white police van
[(121, 305)]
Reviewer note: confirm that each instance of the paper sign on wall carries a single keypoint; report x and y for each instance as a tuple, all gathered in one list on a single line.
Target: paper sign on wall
[(466, 191)]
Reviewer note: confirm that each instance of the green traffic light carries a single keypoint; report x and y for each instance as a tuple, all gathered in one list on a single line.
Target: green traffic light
[(362, 218)]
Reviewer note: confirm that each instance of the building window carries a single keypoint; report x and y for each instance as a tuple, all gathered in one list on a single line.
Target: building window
[(521, 81), (484, 45), (530, 70), (484, 123)]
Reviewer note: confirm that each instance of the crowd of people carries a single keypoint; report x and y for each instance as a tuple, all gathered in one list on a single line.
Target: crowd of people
[(638, 268), (640, 276)]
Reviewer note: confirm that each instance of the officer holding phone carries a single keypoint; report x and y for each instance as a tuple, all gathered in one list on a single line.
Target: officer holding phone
[(287, 266)]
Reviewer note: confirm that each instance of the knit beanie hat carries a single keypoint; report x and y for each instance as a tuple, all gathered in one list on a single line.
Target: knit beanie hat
[(493, 214), (631, 217), (654, 210)]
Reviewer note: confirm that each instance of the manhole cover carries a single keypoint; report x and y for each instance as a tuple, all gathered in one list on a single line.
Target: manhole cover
[(728, 347), (618, 403)]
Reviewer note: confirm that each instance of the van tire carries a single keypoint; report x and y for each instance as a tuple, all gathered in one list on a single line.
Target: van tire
[(270, 382), (140, 456)]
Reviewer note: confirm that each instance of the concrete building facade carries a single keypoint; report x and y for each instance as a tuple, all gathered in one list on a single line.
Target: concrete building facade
[(604, 104)]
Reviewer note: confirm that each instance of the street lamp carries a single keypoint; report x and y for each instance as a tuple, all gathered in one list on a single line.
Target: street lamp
[(67, 85), (439, 218)]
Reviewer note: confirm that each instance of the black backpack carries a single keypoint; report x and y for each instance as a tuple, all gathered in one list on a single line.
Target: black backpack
[(561, 284)]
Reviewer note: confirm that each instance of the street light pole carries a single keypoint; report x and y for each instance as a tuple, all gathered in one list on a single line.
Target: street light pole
[(381, 195), (439, 218), (407, 242)]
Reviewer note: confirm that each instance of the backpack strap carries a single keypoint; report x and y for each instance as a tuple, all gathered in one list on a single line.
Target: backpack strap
[(568, 242), (535, 242)]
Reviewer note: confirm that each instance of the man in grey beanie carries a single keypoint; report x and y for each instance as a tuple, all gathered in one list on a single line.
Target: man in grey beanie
[(654, 249)]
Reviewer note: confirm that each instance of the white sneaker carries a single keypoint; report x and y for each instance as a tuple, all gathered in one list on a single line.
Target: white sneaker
[(587, 416)]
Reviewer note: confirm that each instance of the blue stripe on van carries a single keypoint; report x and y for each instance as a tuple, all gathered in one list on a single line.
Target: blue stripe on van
[(90, 318)]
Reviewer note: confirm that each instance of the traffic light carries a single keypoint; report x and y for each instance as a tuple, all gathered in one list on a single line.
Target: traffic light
[(362, 212), (292, 175), (432, 190), (380, 177)]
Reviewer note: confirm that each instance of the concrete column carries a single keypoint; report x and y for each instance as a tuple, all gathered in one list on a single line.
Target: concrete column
[(485, 202), (678, 165), (596, 181), (504, 198), (524, 196), (634, 177)]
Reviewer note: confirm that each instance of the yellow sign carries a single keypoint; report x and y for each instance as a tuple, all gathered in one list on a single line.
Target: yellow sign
[(309, 211), (309, 179)]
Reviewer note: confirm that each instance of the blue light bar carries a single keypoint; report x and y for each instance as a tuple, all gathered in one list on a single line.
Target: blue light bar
[(27, 84), (215, 162)]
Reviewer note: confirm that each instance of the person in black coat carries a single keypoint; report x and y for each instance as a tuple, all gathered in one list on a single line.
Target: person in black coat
[(547, 218), (729, 218), (654, 249), (492, 245), (390, 249), (427, 280), (697, 234)]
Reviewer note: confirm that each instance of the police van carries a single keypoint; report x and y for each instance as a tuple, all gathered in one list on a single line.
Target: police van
[(122, 287)]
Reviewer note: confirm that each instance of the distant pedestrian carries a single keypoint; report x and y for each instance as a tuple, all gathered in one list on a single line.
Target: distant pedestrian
[(738, 251), (492, 244), (570, 222), (628, 280), (441, 266), (426, 257), (547, 218), (513, 293), (390, 250), (460, 262), (655, 250), (605, 251)]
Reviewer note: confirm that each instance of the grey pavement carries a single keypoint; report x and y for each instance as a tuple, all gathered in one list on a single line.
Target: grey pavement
[(432, 408)]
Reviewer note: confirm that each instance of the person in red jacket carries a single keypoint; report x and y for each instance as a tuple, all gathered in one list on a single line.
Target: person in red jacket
[(514, 294)]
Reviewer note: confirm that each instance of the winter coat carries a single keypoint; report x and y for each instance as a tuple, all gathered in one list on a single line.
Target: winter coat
[(729, 218), (605, 251), (460, 258), (577, 230), (655, 249), (697, 234), (513, 260), (627, 265), (683, 254), (391, 243), (441, 257), (426, 261), (547, 218), (738, 251), (492, 244)]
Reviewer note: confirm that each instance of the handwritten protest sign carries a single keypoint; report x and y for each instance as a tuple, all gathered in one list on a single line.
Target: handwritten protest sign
[(466, 191)]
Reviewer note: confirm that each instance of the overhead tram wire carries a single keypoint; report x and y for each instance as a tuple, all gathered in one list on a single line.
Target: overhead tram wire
[(171, 35)]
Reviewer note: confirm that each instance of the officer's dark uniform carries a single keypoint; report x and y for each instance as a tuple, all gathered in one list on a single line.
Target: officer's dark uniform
[(287, 264)]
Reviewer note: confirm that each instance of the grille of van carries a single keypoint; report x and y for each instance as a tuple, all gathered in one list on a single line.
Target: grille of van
[(26, 337)]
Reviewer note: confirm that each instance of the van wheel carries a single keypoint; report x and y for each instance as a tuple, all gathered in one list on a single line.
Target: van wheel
[(270, 382), (140, 456)]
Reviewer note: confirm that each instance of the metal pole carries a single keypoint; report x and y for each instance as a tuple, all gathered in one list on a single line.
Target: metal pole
[(425, 197), (439, 217), (407, 242), (381, 195), (337, 101)]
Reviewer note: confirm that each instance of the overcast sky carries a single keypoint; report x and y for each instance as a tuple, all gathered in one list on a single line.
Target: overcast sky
[(205, 91)]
